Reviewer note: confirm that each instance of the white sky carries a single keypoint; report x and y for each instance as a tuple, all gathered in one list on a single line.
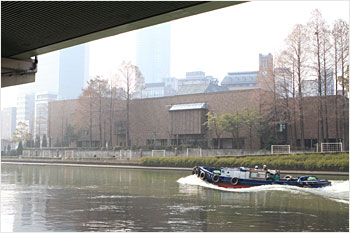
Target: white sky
[(217, 42)]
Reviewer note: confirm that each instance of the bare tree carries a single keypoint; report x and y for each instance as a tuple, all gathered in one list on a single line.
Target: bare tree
[(132, 82), (316, 27), (326, 68), (342, 28), (101, 89), (296, 50), (85, 110), (285, 88), (63, 115), (112, 94), (336, 36)]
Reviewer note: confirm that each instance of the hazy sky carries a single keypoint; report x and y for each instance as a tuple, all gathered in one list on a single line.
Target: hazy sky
[(221, 41), (217, 42)]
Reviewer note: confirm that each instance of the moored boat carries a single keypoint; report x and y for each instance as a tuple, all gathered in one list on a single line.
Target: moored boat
[(246, 177)]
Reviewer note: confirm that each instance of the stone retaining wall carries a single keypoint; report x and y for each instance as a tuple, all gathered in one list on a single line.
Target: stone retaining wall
[(64, 153)]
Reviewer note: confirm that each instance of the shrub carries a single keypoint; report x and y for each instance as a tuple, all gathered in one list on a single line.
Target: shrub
[(339, 162), (20, 148)]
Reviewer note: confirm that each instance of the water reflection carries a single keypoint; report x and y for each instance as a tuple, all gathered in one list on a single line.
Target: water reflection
[(49, 198)]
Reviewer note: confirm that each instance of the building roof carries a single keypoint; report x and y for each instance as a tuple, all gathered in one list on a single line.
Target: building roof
[(191, 106), (200, 88), (234, 78), (161, 84), (242, 73)]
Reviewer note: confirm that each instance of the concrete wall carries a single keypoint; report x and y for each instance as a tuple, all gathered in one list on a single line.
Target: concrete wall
[(59, 153)]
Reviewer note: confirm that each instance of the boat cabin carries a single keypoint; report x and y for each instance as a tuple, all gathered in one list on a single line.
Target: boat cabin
[(264, 174), (247, 173), (258, 174)]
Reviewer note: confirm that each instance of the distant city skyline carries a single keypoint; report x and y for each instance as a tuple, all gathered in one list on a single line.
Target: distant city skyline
[(153, 52), (73, 71), (217, 42)]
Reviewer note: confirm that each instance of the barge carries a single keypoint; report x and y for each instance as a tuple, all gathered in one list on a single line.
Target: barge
[(243, 177)]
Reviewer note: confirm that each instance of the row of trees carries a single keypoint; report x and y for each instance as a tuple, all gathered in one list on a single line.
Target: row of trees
[(21, 135), (97, 107), (98, 103), (313, 55)]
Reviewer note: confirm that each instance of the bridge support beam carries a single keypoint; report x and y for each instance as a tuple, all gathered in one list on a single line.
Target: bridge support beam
[(15, 72)]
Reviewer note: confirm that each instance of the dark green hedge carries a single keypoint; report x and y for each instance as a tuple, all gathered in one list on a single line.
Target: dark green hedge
[(319, 162)]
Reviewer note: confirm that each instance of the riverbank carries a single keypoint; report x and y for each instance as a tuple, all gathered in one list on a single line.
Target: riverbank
[(137, 165), (307, 162)]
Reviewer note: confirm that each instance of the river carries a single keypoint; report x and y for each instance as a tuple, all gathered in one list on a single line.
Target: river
[(62, 198)]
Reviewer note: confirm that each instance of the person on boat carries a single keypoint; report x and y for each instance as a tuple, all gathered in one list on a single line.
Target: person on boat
[(273, 175), (265, 167), (256, 167)]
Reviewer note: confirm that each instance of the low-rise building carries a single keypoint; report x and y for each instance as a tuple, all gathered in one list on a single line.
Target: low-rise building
[(240, 80), (176, 120)]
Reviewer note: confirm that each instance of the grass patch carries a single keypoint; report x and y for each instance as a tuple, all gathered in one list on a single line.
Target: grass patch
[(315, 162)]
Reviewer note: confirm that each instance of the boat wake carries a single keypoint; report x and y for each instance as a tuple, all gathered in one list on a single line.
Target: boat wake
[(338, 191)]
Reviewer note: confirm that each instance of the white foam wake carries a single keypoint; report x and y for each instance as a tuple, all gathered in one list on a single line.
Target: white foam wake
[(338, 191)]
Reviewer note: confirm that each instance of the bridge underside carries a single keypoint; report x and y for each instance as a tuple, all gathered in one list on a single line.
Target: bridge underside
[(33, 28)]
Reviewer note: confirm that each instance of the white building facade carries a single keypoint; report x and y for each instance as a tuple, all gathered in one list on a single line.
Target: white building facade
[(42, 100), (8, 122), (25, 110)]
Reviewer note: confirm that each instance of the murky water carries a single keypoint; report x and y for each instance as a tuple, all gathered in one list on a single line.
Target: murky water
[(59, 198)]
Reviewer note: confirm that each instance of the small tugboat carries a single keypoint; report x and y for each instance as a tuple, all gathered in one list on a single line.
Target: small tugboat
[(246, 177)]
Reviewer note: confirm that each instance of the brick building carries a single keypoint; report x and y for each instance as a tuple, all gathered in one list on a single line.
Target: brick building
[(180, 120)]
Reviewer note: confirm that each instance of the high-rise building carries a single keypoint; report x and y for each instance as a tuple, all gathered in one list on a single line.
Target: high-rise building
[(8, 122), (153, 52), (73, 71), (41, 112), (47, 77), (25, 110)]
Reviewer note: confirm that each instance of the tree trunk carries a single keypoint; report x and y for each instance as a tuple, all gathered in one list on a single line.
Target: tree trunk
[(111, 124), (336, 89), (90, 126), (343, 92), (320, 108), (294, 108), (325, 94), (100, 120), (301, 104), (127, 123), (250, 137), (301, 122)]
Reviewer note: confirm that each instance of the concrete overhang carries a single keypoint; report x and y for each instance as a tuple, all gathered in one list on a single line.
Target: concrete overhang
[(31, 28)]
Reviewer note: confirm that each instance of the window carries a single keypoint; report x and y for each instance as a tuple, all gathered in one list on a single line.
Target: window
[(282, 127)]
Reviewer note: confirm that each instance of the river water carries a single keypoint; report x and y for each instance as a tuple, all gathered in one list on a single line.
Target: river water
[(63, 198)]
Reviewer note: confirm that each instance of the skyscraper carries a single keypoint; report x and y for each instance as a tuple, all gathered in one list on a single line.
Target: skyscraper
[(153, 52), (73, 71), (8, 122), (42, 113), (25, 110), (47, 77)]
